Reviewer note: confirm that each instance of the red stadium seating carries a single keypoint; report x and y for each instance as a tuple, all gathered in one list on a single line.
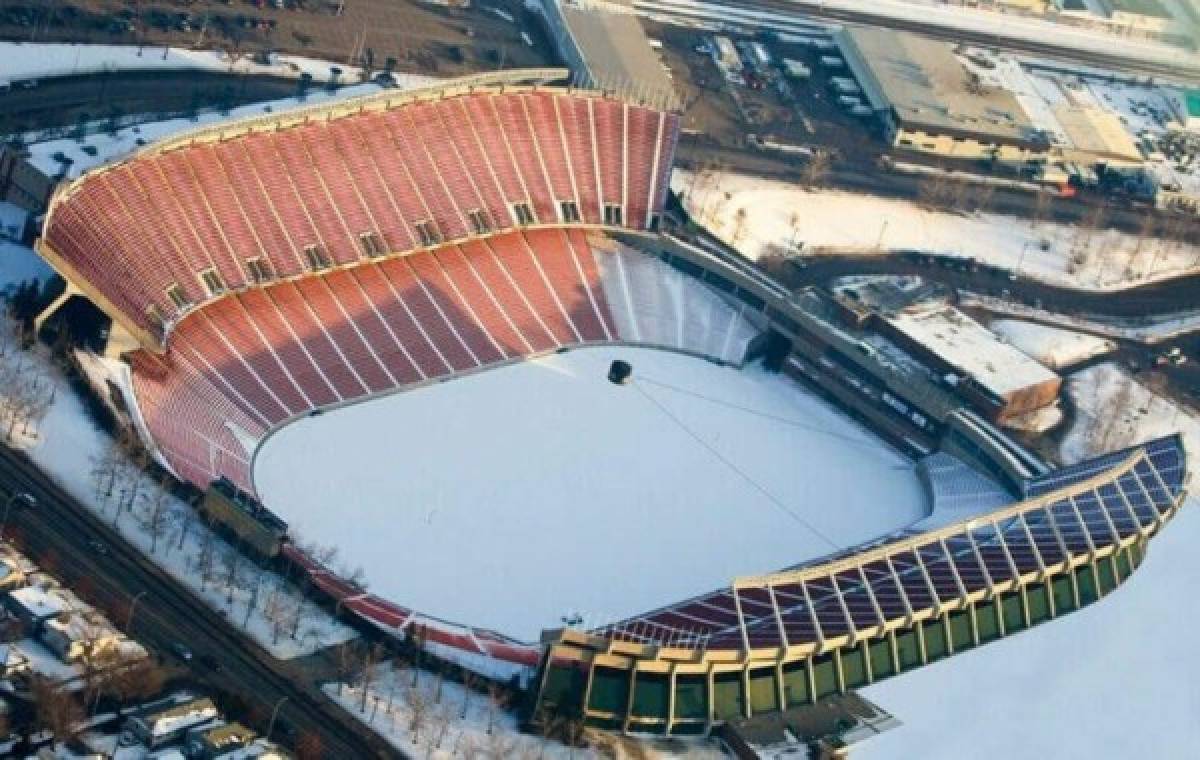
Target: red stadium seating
[(261, 357), (164, 217)]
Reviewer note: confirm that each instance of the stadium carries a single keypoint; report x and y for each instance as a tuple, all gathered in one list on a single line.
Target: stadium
[(390, 318)]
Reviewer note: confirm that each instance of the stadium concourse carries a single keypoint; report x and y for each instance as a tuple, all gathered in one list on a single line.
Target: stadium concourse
[(262, 271)]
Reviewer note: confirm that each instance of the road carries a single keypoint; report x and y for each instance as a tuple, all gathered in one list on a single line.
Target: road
[(972, 29), (166, 612)]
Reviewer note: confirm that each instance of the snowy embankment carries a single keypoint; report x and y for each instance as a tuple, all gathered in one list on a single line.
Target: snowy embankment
[(21, 61), (18, 263), (1051, 346), (760, 216), (102, 146), (61, 438), (426, 716), (1108, 681), (1153, 329)]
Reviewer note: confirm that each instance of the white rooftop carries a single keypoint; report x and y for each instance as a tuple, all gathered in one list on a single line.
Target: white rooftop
[(39, 602), (970, 347)]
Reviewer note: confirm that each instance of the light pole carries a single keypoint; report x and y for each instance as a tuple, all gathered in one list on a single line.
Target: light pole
[(274, 715), (133, 608)]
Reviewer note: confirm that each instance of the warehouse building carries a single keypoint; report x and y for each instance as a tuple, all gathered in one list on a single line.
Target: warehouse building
[(606, 48), (928, 101)]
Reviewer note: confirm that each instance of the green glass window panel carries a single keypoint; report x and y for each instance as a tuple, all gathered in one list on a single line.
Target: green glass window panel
[(1039, 603), (688, 729), (987, 619), (936, 646), (854, 667), (795, 684), (728, 701), (606, 724), (610, 691), (764, 695), (564, 687), (909, 649), (650, 696), (960, 631), (1064, 595), (1085, 577), (1123, 568), (1135, 554), (1104, 568), (647, 727), (691, 697), (881, 659), (1014, 614), (825, 675)]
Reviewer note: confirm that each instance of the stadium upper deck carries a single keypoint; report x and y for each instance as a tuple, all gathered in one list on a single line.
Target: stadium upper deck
[(223, 210)]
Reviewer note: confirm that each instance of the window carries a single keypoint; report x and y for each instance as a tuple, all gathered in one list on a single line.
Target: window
[(372, 244), (523, 213), (178, 297), (213, 282), (316, 258), (613, 214), (479, 221), (569, 211), (258, 269), (427, 233)]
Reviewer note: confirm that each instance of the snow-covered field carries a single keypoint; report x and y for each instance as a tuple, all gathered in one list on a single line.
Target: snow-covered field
[(42, 60), (1049, 345), (1109, 681), (756, 215), (513, 497)]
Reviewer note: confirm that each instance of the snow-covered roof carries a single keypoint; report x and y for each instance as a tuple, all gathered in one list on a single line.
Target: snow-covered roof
[(967, 345), (39, 602)]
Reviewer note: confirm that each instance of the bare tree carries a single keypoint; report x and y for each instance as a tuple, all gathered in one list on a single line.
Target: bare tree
[(816, 169), (56, 709), (157, 517)]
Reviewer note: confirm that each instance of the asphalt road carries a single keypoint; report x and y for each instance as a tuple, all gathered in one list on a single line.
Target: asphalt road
[(167, 613)]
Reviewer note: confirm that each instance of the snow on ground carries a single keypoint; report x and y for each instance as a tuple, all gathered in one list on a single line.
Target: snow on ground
[(756, 215), (109, 147), (1049, 345), (68, 446), (1153, 329), (453, 722), (1107, 681), (42, 60), (512, 497), (18, 264)]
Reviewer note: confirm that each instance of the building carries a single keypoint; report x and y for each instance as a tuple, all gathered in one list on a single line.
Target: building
[(33, 606), (929, 102), (244, 516), (996, 378), (219, 741), (1186, 107), (606, 49), (77, 635), (1096, 135), (162, 723), (21, 183)]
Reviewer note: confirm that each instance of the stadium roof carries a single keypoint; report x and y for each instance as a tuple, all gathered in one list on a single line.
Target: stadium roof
[(926, 87), (613, 49)]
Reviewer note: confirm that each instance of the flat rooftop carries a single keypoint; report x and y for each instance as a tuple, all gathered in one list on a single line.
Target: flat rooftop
[(924, 84), (617, 52), (969, 346)]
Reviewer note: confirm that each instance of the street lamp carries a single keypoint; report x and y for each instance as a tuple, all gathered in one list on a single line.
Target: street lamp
[(274, 715), (133, 608)]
